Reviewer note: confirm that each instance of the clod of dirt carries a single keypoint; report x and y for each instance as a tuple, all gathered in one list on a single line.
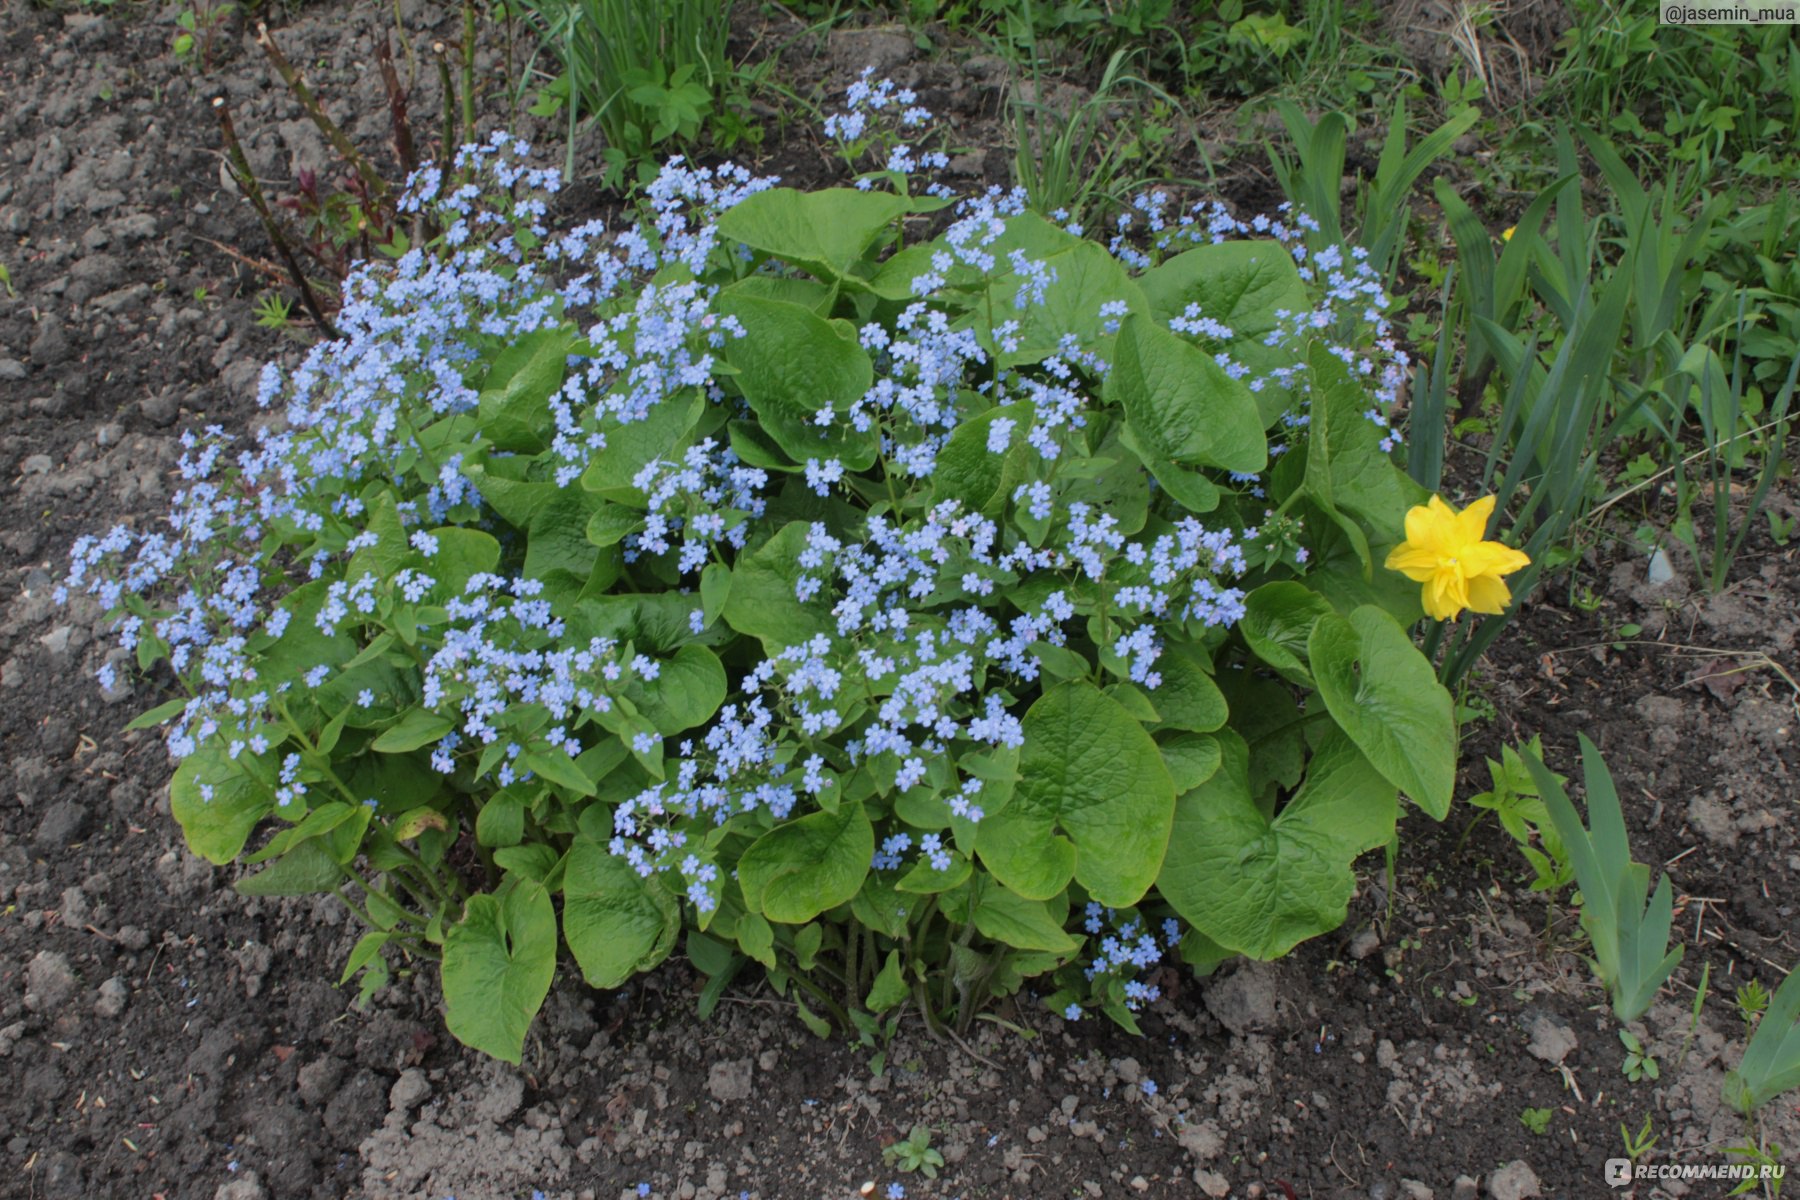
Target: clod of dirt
[(318, 1079), (63, 824), (49, 982), (1551, 1040), (409, 1091), (357, 1106), (244, 1187), (1204, 1141), (502, 1098), (882, 49), (1515, 1181), (1465, 1188), (113, 996), (730, 1081), (1711, 819), (1254, 997)]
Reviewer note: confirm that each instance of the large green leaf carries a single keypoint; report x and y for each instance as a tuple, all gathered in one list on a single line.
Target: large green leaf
[(763, 603), (305, 870), (1260, 886), (1022, 924), (515, 397), (217, 804), (1181, 403), (1278, 619), (1187, 697), (1243, 284), (461, 555), (1348, 474), (825, 232), (1085, 277), (1385, 695), (633, 445), (791, 364), (970, 472), (1094, 801), (803, 867), (498, 964), (557, 551), (416, 727), (686, 693), (616, 922)]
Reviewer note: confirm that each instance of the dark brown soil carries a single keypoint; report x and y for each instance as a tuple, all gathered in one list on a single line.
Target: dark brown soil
[(162, 1036)]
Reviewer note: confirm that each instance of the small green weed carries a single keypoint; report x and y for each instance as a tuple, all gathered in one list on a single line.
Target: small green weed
[(1639, 1063), (914, 1153), (1640, 1144)]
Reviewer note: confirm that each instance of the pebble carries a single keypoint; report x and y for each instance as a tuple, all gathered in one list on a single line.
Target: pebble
[(1464, 1188), (1213, 1184), (1365, 943)]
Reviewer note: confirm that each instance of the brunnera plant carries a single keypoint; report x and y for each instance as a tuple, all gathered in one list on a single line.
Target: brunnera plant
[(924, 617)]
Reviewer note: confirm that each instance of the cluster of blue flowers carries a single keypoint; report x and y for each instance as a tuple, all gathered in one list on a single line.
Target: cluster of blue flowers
[(1125, 950), (384, 500)]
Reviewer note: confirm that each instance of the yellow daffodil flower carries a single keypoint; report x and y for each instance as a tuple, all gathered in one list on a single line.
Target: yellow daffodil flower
[(1444, 551)]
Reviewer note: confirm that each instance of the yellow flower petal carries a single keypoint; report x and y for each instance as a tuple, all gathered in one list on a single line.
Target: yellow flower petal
[(1415, 563), (1472, 522), (1489, 558), (1431, 527), (1446, 595), (1488, 594)]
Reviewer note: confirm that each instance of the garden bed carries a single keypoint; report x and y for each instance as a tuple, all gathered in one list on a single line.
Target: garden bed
[(167, 1037)]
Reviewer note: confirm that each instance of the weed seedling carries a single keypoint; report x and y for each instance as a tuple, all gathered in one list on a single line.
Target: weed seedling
[(1536, 1119), (914, 1154), (1639, 1146), (1752, 1000), (1770, 1170), (1638, 1061)]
